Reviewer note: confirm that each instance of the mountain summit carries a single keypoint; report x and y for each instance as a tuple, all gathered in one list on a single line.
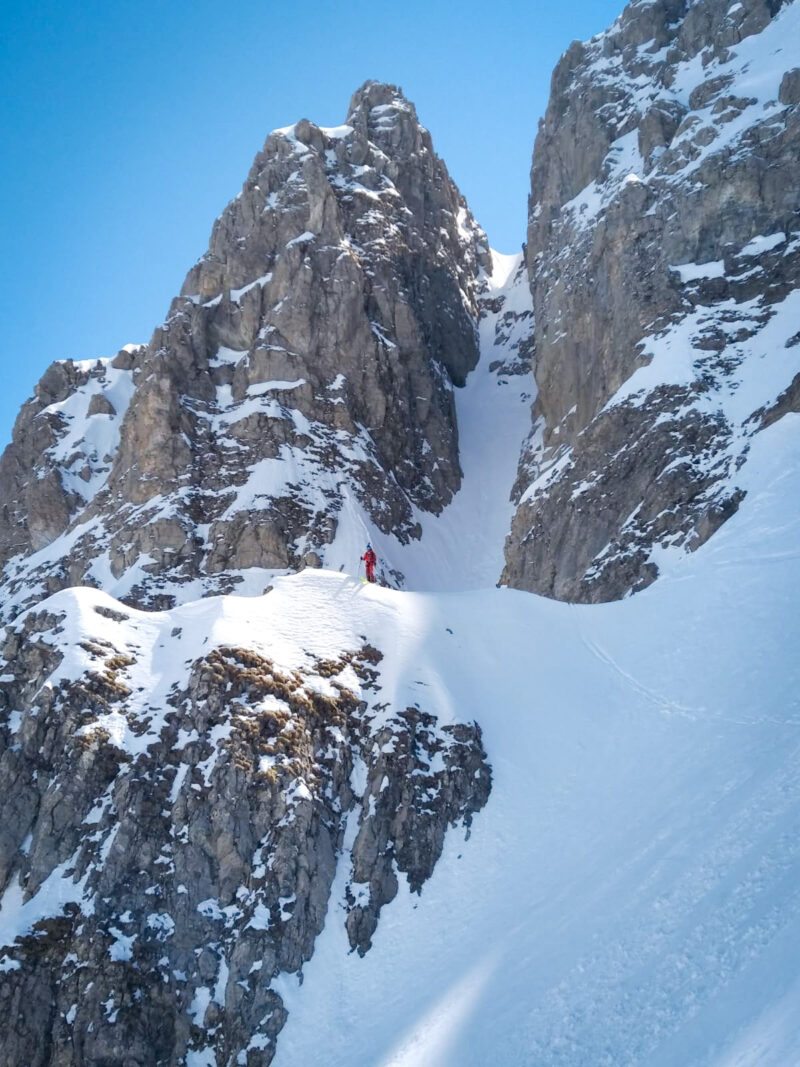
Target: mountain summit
[(301, 385)]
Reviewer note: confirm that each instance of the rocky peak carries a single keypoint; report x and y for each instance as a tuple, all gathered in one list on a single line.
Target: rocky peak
[(381, 113), (663, 219), (299, 390)]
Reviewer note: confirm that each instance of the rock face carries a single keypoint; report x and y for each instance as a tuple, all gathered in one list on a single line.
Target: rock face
[(300, 386), (664, 257), (175, 811)]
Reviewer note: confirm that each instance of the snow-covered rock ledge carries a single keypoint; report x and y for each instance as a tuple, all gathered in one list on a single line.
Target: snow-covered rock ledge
[(181, 787)]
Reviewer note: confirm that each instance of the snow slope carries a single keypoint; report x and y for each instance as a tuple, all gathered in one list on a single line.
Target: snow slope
[(463, 547), (631, 893)]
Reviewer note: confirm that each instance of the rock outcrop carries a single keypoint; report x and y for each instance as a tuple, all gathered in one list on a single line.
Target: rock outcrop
[(664, 257), (175, 811), (301, 385)]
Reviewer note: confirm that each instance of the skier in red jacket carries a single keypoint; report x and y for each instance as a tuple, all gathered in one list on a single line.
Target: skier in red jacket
[(370, 559)]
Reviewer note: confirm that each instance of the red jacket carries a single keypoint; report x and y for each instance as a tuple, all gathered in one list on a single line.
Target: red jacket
[(370, 558)]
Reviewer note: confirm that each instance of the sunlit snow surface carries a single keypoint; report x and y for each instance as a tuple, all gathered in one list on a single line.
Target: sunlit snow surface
[(631, 893)]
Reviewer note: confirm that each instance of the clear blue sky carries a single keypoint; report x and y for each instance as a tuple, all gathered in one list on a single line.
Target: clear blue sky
[(127, 126)]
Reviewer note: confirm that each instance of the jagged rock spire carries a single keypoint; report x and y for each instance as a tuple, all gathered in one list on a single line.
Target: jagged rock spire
[(299, 389)]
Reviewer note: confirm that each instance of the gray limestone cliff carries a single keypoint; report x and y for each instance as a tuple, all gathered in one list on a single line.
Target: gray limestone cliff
[(664, 257), (175, 811), (302, 382)]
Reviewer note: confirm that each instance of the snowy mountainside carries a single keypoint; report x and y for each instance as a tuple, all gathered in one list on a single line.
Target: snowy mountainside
[(182, 788), (433, 823), (664, 256), (305, 379), (628, 893)]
